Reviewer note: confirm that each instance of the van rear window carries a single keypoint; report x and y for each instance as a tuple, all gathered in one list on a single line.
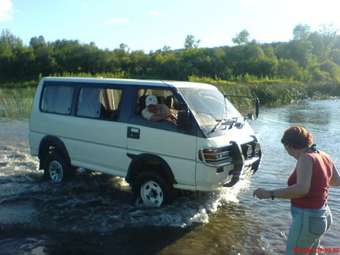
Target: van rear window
[(99, 103), (57, 99)]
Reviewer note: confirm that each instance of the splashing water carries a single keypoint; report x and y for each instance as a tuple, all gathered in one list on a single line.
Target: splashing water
[(92, 202)]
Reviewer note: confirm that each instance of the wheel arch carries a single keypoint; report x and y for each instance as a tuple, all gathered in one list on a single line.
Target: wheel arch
[(51, 144), (149, 162)]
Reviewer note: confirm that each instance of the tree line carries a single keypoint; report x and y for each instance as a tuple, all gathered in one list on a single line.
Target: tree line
[(309, 56)]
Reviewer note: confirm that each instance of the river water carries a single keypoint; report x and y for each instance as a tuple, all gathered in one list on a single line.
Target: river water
[(93, 213)]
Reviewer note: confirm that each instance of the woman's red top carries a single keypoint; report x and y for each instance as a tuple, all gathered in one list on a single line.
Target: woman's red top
[(318, 192)]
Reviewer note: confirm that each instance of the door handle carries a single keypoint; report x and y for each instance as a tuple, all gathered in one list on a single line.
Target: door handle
[(133, 132)]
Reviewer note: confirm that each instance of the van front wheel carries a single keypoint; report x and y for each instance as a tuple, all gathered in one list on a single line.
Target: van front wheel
[(151, 189)]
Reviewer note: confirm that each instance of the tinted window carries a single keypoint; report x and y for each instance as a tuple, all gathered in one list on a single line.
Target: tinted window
[(57, 99), (100, 103)]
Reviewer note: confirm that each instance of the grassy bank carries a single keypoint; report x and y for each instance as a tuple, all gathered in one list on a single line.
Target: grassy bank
[(16, 97), (16, 102), (277, 92)]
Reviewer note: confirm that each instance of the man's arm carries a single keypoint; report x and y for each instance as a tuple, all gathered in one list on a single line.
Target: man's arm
[(156, 117)]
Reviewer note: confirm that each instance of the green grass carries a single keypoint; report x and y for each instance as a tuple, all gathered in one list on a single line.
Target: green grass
[(16, 103)]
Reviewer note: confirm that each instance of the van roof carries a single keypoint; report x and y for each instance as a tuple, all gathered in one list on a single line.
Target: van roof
[(134, 82)]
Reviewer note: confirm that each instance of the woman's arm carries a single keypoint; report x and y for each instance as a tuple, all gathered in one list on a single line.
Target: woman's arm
[(304, 170), (335, 181)]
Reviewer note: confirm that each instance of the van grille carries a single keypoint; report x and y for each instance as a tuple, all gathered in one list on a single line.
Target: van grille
[(230, 154)]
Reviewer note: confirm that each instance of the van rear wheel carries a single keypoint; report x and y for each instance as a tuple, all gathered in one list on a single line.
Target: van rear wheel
[(152, 190), (57, 168)]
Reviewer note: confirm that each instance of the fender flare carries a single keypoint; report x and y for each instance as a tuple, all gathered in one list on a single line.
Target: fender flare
[(44, 149), (156, 163)]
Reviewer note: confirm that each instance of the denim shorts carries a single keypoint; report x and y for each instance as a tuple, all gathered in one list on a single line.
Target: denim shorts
[(308, 226)]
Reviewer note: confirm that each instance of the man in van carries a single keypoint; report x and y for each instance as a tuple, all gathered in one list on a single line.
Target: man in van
[(156, 112)]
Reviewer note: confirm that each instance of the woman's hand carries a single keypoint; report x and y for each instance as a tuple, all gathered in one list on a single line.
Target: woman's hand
[(262, 193)]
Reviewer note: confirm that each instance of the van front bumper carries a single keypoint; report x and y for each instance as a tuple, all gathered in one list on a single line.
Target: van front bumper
[(243, 159), (214, 178), (242, 169)]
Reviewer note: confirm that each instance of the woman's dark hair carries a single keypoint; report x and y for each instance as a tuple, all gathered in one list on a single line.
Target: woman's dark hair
[(297, 137)]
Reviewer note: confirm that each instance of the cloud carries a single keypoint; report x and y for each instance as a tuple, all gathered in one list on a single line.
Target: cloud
[(154, 13), (114, 21), (6, 10)]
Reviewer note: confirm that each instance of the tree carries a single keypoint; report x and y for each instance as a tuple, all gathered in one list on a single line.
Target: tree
[(11, 49), (37, 42), (331, 68), (301, 32), (300, 51), (124, 47), (241, 38), (288, 68), (190, 42), (166, 48), (336, 56)]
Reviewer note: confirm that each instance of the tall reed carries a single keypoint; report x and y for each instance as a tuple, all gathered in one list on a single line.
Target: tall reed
[(16, 103)]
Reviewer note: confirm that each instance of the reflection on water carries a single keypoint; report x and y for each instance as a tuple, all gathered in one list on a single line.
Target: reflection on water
[(93, 214), (233, 229), (308, 113)]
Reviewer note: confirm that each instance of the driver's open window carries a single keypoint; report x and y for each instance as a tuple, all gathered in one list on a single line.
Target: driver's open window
[(157, 102)]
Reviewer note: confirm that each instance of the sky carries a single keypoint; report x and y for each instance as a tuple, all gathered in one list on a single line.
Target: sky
[(150, 25)]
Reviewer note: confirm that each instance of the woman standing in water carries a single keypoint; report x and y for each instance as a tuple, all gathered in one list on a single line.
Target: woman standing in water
[(307, 189)]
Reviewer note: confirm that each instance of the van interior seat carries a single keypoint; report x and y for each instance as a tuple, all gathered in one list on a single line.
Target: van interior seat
[(169, 101), (140, 104), (161, 99)]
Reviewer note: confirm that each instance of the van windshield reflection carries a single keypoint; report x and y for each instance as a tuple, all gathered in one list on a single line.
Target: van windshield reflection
[(210, 108)]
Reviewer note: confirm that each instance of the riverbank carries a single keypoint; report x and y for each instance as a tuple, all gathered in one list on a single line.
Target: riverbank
[(274, 92), (16, 97)]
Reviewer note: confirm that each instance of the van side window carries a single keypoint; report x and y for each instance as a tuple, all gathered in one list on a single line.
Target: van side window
[(57, 99), (99, 103)]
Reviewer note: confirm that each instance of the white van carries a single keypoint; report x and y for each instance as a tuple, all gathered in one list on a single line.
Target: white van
[(98, 124)]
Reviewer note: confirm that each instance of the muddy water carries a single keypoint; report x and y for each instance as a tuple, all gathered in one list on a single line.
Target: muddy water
[(94, 214)]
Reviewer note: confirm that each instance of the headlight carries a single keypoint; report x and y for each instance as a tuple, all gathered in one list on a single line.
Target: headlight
[(216, 155)]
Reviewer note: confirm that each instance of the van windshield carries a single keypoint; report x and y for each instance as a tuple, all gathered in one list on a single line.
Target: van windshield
[(209, 107)]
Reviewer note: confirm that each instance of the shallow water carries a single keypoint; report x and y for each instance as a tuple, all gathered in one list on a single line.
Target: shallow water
[(94, 214)]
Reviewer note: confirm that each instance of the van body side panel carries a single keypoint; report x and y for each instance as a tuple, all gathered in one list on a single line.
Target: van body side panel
[(35, 139), (177, 149), (90, 141), (34, 123), (208, 179), (99, 143)]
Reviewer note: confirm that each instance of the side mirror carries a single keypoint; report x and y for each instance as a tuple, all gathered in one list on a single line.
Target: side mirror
[(257, 107), (249, 116), (254, 100)]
